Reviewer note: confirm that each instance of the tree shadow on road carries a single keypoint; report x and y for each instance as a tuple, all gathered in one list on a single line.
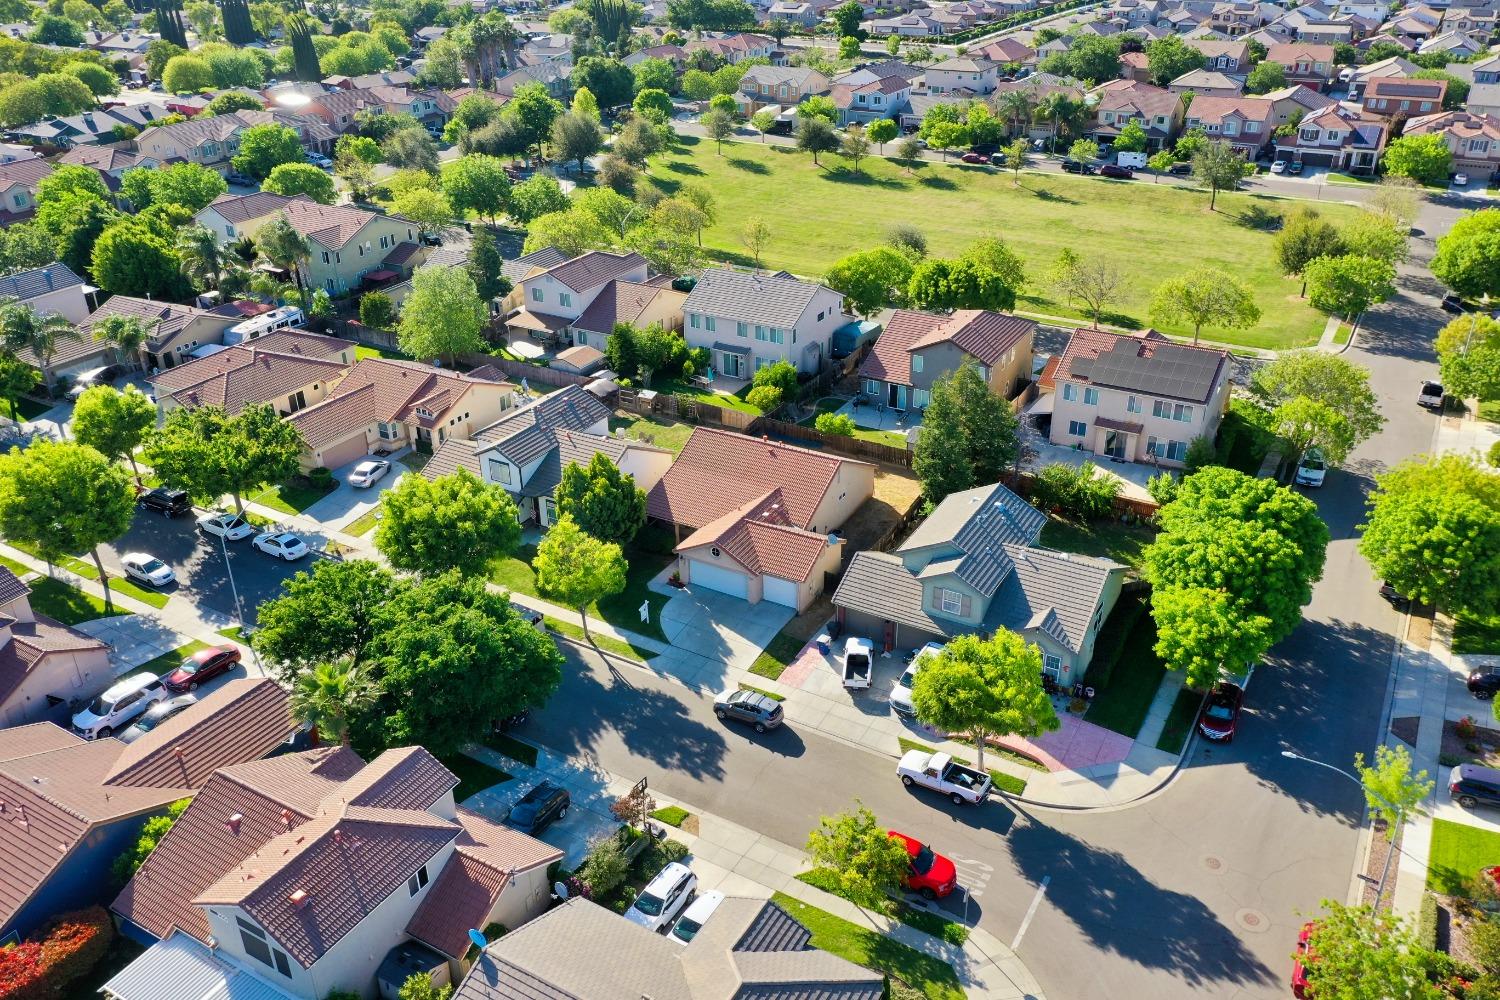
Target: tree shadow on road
[(1406, 326)]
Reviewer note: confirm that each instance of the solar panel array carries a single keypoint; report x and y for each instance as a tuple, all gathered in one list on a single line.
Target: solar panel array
[(1171, 370)]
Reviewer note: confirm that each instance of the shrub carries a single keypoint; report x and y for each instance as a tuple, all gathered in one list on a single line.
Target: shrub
[(1494, 456), (1075, 491), (765, 398), (156, 828), (322, 476), (70, 948), (376, 310), (1163, 487), (605, 869), (782, 375), (21, 970), (1200, 452), (1466, 727), (840, 424), (672, 850)]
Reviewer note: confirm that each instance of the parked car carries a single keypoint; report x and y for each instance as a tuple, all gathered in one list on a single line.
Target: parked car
[(858, 662), (1294, 168), (167, 502), (202, 666), (1453, 303), (156, 715), (1279, 167), (367, 474), (529, 616), (282, 545), (931, 874), (539, 808), (1460, 180), (1312, 469), (974, 158), (1301, 961), (1472, 785), (1221, 712), (901, 693), (758, 710), (1398, 600), (1116, 171), (997, 159), (1078, 167), (1484, 683), (147, 568), (230, 527), (1181, 167), (319, 160), (696, 915), (938, 772), (239, 179), (663, 898), (121, 702), (1430, 395)]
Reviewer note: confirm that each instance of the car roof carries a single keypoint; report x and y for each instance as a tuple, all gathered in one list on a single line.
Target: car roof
[(204, 655), (1478, 773), (701, 908), (134, 682), (668, 876)]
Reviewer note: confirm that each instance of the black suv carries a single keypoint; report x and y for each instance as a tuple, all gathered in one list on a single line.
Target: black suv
[(539, 808), (169, 502), (1078, 167), (1484, 684), (1473, 785), (759, 710), (1180, 167)]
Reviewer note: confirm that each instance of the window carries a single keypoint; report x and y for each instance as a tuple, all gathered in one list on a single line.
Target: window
[(1252, 126), (583, 339), (916, 364), (1077, 428), (500, 471), (1177, 450), (1051, 666), (693, 320), (1161, 408), (417, 882), (1091, 397), (742, 329), (389, 432), (257, 947), (1133, 405), (761, 363), (229, 231), (537, 295), (709, 324), (325, 256), (760, 333), (564, 299), (778, 336), (1070, 391), (952, 601), (1308, 135)]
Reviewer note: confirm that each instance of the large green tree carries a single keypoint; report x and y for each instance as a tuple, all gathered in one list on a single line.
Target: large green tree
[(1424, 158), (454, 522), (291, 179), (114, 423), (327, 614), (265, 147), (860, 852), (1205, 296), (130, 258), (871, 279), (1219, 167), (191, 185), (1468, 350), (1205, 633), (1304, 237), (1364, 955), (604, 500), (1346, 410), (576, 569), (1169, 57), (968, 436), (443, 316), (1350, 284), (477, 183), (1468, 255), (207, 453)]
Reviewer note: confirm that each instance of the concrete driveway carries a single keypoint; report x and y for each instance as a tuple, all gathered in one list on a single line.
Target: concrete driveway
[(713, 634), (346, 503)]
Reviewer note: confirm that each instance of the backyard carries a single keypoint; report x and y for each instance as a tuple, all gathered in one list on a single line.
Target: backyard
[(1124, 543), (829, 404), (819, 214)]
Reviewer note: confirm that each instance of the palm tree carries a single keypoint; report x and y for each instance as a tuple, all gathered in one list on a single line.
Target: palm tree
[(1016, 107), (128, 336), (202, 258), (22, 328), (1064, 111), (327, 695), (283, 246)]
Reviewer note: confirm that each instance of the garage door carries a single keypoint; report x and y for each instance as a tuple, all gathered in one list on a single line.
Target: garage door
[(779, 591), (713, 577), (1317, 159), (336, 455)]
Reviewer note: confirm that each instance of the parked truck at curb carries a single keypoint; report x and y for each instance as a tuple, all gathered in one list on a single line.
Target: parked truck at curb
[(938, 772)]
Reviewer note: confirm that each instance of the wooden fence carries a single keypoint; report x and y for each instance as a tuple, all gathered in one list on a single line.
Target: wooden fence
[(684, 408), (517, 370), (1021, 484), (361, 334)]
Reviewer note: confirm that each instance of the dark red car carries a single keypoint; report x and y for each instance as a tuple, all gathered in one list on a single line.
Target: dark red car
[(1221, 712), (202, 666), (1300, 963), (974, 158), (1116, 171), (931, 874)]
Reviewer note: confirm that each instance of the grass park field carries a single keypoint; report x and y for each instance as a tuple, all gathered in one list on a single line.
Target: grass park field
[(817, 214)]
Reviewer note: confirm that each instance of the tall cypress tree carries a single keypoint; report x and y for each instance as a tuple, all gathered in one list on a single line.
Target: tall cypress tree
[(238, 28), (169, 23), (304, 55)]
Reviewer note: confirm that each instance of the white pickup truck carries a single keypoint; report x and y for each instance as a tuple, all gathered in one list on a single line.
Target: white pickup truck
[(859, 662), (938, 772)]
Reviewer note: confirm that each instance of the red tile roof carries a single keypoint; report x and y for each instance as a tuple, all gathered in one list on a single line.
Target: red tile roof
[(983, 334), (759, 538)]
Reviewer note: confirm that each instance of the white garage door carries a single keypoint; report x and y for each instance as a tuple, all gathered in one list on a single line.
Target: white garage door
[(338, 455), (779, 591), (713, 577)]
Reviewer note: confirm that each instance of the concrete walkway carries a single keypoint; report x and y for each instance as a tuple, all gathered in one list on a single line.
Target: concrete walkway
[(1161, 708), (741, 862)]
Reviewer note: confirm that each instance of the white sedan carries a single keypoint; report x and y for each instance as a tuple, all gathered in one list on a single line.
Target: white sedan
[(367, 474), (231, 527), (282, 544), (147, 569), (1279, 167)]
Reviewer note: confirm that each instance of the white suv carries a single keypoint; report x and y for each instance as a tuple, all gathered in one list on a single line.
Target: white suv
[(663, 898), (119, 704)]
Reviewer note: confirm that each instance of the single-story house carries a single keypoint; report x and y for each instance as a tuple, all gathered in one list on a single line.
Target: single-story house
[(44, 664)]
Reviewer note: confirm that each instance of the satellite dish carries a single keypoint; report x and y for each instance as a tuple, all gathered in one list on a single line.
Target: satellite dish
[(478, 938), (559, 890)]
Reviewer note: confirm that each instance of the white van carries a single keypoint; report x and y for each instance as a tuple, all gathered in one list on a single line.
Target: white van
[(663, 898), (122, 702), (696, 915)]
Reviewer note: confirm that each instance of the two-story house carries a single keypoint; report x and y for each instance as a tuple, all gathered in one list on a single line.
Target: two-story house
[(735, 47), (548, 300), (103, 125), (1473, 139), (1392, 97), (962, 74), (1305, 63), (526, 450), (638, 303), (1246, 123), (917, 348), (1456, 45), (349, 245), (1394, 67), (310, 868), (18, 181), (291, 370), (1137, 398), (1335, 137), (1157, 110), (53, 289), (212, 142), (879, 91), (783, 86), (111, 162), (749, 320), (173, 333), (973, 567), (796, 12), (1230, 56), (1203, 82), (338, 108), (1007, 52), (232, 217)]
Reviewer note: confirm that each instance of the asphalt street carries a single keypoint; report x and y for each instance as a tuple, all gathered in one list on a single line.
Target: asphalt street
[(1197, 892)]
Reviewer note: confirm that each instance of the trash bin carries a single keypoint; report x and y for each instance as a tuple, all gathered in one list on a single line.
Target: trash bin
[(824, 643)]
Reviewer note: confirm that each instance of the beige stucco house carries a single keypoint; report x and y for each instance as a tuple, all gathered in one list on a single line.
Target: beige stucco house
[(917, 348), (291, 370), (53, 289), (550, 298), (43, 664), (749, 320)]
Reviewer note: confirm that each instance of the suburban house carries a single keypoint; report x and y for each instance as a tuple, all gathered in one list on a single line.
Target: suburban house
[(759, 515), (918, 348), (1295, 102), (973, 566), (548, 299), (1038, 87), (1230, 56), (1473, 139), (1395, 66), (735, 48), (349, 246), (1155, 109), (1137, 398), (291, 370), (796, 12), (919, 24), (90, 127), (174, 333), (110, 161), (1308, 64), (551, 75), (1478, 22), (964, 74), (72, 806), (18, 181), (52, 289), (213, 142), (1454, 44), (526, 450), (239, 216), (1206, 83), (382, 405), (1335, 137), (619, 300), (1392, 97), (1006, 52), (780, 86), (337, 108), (44, 664), (1246, 123), (872, 93), (303, 872), (752, 948), (750, 320)]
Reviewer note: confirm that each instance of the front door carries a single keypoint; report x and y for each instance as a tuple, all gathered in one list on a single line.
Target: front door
[(896, 397)]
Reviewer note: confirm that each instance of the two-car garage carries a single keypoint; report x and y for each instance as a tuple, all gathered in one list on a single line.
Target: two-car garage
[(725, 581), (726, 576)]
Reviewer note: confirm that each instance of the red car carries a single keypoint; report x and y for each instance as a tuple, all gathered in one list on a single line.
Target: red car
[(202, 666), (972, 157), (931, 874), (1300, 988), (1221, 712)]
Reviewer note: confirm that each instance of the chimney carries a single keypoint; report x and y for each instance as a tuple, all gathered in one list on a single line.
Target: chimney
[(298, 899), (286, 817), (234, 823)]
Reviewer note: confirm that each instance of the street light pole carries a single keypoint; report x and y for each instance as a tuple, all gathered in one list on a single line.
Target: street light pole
[(239, 609), (1400, 814)]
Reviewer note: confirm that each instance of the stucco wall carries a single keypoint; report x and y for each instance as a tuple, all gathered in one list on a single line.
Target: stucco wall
[(63, 674), (852, 485)]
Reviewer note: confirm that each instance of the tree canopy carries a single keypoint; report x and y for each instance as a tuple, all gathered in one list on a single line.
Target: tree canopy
[(456, 522), (604, 500), (575, 569), (443, 316), (207, 453), (968, 436), (1468, 255)]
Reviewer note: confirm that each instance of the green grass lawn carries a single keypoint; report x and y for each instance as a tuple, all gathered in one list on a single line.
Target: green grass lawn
[(473, 775), (661, 433), (837, 936), (237, 633), (18, 568), (1124, 543), (1343, 333), (171, 660), (1180, 721), (293, 496), (364, 524), (517, 750), (1355, 179), (938, 926), (769, 694), (1152, 232), (1490, 410), (622, 610), (779, 652), (1458, 852), (608, 644), (893, 439), (366, 351), (692, 390), (117, 583), (671, 815), (69, 605), (1476, 634), (30, 409), (1122, 703)]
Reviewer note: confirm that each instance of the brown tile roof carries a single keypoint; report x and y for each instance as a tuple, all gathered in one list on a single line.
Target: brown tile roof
[(1392, 86), (1215, 109), (1460, 123), (377, 389), (244, 719), (31, 642), (11, 587), (1128, 95), (889, 359), (592, 269), (760, 537), (102, 158), (26, 173), (1287, 53), (620, 301), (404, 778), (162, 319), (330, 226), (241, 375), (39, 737), (240, 208), (719, 471), (981, 333)]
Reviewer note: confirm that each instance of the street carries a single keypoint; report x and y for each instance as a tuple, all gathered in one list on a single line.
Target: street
[(1200, 890)]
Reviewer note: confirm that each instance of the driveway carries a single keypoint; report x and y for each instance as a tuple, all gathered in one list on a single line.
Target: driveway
[(713, 634), (346, 503)]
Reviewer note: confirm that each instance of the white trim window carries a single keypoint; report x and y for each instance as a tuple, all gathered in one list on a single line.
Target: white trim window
[(1052, 666), (952, 601)]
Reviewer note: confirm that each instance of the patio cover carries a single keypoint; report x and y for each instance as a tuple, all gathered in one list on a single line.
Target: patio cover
[(719, 345), (1111, 424), (384, 274), (1041, 406), (541, 322)]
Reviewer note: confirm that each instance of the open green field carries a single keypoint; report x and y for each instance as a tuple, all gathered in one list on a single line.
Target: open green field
[(819, 214)]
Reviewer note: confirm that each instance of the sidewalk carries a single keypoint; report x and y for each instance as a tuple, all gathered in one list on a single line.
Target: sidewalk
[(738, 861)]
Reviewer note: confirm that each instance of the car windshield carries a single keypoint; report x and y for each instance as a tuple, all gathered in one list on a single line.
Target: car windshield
[(1313, 464), (650, 905), (190, 666), (100, 707), (906, 678), (234, 522), (149, 722), (1219, 710), (151, 565), (1431, 388), (686, 929), (922, 863)]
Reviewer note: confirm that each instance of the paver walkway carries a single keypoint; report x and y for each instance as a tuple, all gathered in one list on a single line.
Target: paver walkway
[(1074, 745)]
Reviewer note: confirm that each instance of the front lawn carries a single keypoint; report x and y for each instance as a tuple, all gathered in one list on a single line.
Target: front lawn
[(1458, 852), (1180, 720), (513, 748), (18, 568), (779, 652), (818, 214), (293, 496), (67, 604), (862, 946), (1127, 687), (1124, 543), (171, 660), (605, 643), (1479, 634), (473, 775), (1489, 410), (938, 926), (29, 409)]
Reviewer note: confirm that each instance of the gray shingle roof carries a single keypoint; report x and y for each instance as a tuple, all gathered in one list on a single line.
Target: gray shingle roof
[(751, 298), (26, 285), (979, 518), (526, 433)]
